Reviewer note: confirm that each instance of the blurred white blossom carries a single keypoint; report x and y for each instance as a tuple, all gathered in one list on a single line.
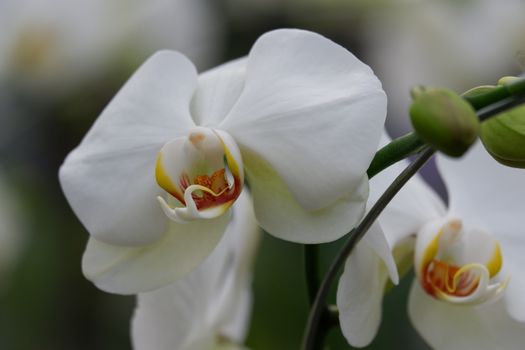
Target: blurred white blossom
[(53, 44)]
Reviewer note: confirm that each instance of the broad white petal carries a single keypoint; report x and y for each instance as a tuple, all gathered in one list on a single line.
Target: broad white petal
[(184, 314), (480, 188), (413, 206), (450, 327), (109, 179), (488, 195), (232, 295), (360, 294), (164, 319), (235, 325), (217, 91), (130, 270), (282, 216), (313, 111)]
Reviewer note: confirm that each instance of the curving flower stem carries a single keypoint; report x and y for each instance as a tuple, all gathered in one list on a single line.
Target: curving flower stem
[(486, 108), (317, 312), (500, 106), (311, 267)]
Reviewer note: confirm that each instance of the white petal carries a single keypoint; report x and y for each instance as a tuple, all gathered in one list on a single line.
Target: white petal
[(414, 205), (282, 216), (360, 294), (237, 324), (513, 261), (481, 247), (477, 184), (184, 314), (450, 327), (232, 296), (217, 91), (109, 179), (130, 270), (313, 111), (376, 239), (489, 195), (163, 321)]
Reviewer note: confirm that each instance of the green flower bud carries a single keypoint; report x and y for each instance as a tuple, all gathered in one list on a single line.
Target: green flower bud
[(444, 120), (504, 137)]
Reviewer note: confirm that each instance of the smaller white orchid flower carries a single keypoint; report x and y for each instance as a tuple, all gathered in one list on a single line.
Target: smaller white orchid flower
[(467, 258), (210, 307), (153, 180)]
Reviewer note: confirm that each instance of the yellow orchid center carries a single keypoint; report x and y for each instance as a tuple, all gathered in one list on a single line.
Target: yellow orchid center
[(201, 174), (458, 266)]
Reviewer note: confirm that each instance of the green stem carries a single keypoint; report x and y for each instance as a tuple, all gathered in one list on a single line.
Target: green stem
[(500, 106), (395, 151), (311, 267), (516, 88), (330, 314), (310, 340)]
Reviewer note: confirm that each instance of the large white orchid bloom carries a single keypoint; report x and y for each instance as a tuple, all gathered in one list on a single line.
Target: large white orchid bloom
[(467, 258), (301, 117), (210, 307)]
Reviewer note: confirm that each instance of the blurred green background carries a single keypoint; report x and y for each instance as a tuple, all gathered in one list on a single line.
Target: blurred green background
[(62, 61)]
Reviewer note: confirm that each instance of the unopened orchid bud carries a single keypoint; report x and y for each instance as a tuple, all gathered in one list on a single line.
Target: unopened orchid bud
[(504, 134), (444, 120), (504, 137)]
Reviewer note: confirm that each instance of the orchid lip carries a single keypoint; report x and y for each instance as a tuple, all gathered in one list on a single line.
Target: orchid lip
[(202, 172), (448, 270)]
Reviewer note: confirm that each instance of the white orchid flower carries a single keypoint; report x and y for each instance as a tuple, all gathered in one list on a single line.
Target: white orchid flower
[(467, 258), (301, 117), (210, 307)]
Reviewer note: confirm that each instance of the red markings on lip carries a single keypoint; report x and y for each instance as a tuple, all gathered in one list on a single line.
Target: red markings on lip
[(217, 183), (439, 276)]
